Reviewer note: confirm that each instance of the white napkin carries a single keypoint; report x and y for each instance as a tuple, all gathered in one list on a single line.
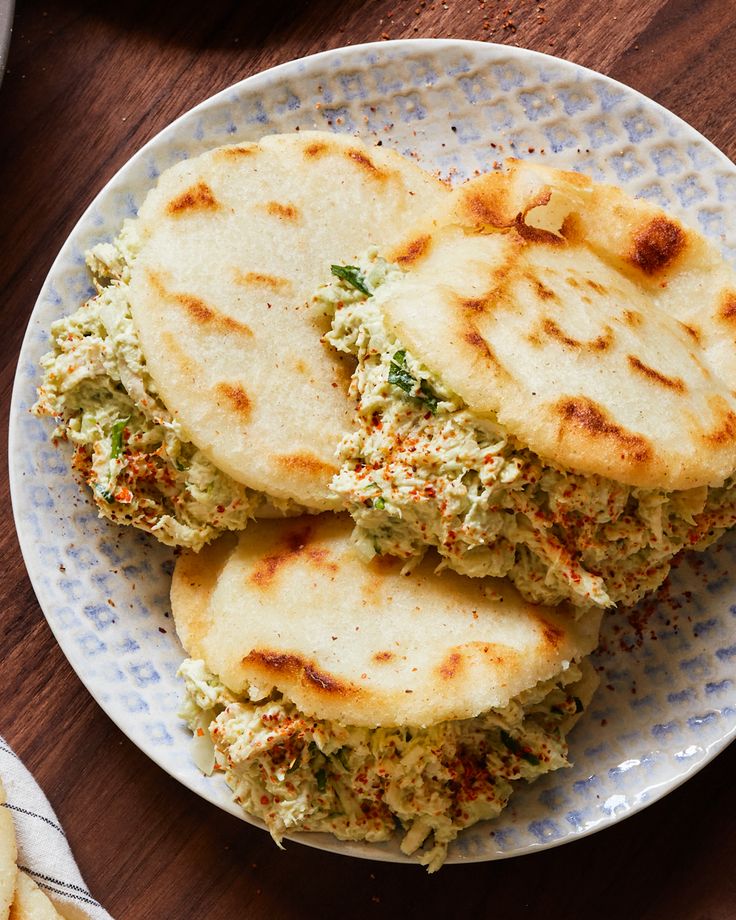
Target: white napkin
[(43, 852)]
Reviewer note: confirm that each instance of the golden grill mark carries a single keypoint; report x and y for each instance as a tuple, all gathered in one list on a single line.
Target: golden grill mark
[(484, 209), (201, 313), (473, 304), (543, 292), (197, 198), (362, 160), (551, 634), (304, 463), (317, 149), (451, 666), (175, 351), (237, 153), (236, 396), (413, 251), (476, 341), (198, 310), (657, 245), (553, 331), (672, 383), (727, 308), (297, 667), (285, 211), (585, 415), (726, 430), (632, 318), (294, 545), (692, 331), (259, 279)]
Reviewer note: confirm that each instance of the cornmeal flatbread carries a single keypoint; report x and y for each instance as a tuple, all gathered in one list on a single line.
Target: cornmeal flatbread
[(343, 697), (545, 389), (587, 322), (233, 243), (291, 604), (194, 386)]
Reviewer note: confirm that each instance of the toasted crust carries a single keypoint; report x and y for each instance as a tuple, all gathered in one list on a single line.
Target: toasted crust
[(598, 329), (235, 242), (293, 607)]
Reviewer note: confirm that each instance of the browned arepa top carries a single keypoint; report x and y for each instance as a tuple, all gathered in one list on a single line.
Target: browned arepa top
[(289, 604), (598, 330), (233, 244)]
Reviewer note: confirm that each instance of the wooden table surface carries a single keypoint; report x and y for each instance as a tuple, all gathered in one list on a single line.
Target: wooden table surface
[(87, 84)]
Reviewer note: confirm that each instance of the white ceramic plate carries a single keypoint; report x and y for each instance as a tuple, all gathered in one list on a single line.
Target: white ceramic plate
[(667, 704)]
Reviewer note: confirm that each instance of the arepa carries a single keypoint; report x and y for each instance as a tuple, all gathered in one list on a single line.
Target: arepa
[(233, 244), (340, 696), (546, 389), (194, 385)]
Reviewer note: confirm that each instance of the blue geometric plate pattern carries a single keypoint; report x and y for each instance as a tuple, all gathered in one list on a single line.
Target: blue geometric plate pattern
[(667, 702)]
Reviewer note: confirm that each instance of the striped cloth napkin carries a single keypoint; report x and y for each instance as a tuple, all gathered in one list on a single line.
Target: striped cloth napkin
[(43, 852)]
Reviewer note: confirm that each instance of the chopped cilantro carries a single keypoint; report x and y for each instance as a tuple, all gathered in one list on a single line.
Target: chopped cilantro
[(428, 398), (351, 275), (379, 503), (400, 377), (321, 780), (116, 438)]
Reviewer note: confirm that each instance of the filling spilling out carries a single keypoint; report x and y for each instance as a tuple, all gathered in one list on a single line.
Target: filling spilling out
[(298, 773), (422, 470), (132, 453)]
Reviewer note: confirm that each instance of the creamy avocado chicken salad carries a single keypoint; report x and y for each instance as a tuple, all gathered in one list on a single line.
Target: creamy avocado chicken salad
[(422, 470), (141, 468), (298, 773)]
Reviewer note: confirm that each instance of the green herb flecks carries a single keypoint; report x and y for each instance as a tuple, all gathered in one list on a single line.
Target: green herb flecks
[(351, 275), (104, 493), (321, 780), (379, 503), (399, 376), (116, 438), (513, 745)]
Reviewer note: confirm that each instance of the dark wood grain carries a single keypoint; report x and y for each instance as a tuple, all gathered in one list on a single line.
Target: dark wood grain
[(88, 83)]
